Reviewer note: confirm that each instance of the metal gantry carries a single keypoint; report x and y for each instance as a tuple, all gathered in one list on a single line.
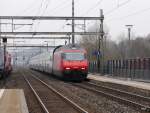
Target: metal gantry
[(73, 18), (45, 35), (29, 37), (48, 18), (50, 33)]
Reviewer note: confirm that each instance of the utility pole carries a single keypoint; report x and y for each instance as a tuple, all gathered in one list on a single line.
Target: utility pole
[(69, 39), (12, 27), (100, 37), (84, 26), (129, 36), (129, 52), (73, 36)]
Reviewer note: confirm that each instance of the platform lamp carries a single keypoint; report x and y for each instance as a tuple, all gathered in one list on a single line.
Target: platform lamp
[(129, 36), (129, 52)]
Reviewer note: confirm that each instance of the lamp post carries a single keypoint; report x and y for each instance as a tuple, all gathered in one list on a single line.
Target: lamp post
[(129, 36), (129, 53)]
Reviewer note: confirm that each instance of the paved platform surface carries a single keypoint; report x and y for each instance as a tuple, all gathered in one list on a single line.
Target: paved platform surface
[(141, 85), (12, 101)]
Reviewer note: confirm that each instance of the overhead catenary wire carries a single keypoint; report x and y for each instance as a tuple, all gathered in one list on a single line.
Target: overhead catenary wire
[(131, 14), (59, 5), (93, 7), (46, 7), (31, 6), (44, 10), (38, 12), (42, 13), (62, 7), (28, 8), (117, 7)]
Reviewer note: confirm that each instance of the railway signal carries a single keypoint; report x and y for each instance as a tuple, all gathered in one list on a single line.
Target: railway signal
[(4, 40)]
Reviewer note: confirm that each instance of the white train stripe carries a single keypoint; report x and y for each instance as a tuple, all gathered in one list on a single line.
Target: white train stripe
[(1, 93)]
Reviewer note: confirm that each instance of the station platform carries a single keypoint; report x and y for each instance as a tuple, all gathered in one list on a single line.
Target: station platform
[(127, 82), (12, 101)]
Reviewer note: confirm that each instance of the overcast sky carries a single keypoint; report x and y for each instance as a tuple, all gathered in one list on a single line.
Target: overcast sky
[(117, 14)]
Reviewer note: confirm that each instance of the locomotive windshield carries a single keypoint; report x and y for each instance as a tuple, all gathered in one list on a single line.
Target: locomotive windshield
[(73, 56)]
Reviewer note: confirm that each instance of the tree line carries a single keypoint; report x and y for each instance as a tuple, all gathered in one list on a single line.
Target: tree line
[(139, 47)]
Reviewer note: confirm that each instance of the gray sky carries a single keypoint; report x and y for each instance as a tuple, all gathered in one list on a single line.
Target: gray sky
[(117, 13)]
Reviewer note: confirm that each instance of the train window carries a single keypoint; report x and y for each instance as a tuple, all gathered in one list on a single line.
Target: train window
[(73, 56)]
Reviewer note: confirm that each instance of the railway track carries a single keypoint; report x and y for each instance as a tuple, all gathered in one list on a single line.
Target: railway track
[(50, 100), (137, 101)]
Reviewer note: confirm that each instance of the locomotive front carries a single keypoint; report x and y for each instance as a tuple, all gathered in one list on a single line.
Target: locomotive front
[(75, 64)]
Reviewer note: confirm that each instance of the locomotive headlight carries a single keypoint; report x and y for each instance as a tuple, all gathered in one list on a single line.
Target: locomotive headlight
[(67, 68), (83, 68)]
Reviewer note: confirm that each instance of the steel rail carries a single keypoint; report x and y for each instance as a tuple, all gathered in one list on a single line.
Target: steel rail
[(74, 105), (120, 91), (37, 96), (116, 98)]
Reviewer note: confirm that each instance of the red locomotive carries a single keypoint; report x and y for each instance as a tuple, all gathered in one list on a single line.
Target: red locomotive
[(68, 62)]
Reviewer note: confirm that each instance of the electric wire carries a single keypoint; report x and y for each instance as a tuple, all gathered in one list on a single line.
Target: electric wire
[(114, 9), (44, 10), (61, 8), (132, 14), (28, 8), (118, 6), (40, 12), (59, 5), (93, 7)]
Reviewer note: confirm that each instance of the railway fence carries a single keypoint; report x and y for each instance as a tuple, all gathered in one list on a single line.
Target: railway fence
[(138, 69)]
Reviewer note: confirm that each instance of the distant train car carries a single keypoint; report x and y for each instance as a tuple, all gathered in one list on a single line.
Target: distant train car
[(8, 66), (67, 62), (5, 69)]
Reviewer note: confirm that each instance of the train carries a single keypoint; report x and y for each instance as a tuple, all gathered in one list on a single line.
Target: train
[(5, 63), (68, 62)]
